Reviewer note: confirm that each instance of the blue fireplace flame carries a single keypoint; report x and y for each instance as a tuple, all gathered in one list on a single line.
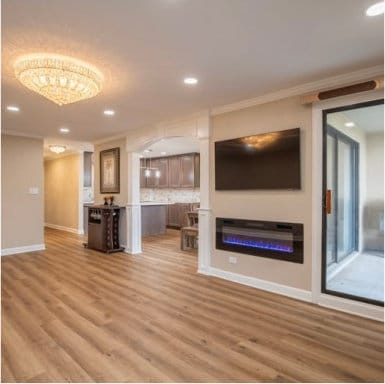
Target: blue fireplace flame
[(257, 244)]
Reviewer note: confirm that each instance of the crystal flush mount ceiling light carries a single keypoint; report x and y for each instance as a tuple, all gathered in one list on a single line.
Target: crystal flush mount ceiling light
[(59, 78), (57, 148), (376, 9)]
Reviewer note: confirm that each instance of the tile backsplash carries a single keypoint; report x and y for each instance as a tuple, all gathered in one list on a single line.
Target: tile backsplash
[(170, 195)]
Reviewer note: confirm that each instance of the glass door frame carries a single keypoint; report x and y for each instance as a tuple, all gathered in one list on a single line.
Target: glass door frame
[(325, 130)]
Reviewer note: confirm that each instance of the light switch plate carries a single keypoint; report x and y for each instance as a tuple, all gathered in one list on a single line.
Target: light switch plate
[(33, 190), (233, 260)]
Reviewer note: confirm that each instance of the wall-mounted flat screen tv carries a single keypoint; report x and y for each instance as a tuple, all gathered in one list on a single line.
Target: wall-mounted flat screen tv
[(266, 161)]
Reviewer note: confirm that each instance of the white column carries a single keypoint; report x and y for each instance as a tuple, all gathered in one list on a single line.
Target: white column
[(205, 225), (133, 208), (80, 193)]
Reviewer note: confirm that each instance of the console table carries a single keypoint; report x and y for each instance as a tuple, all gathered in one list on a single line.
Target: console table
[(103, 228)]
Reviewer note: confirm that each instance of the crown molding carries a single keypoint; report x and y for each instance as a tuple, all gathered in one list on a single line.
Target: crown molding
[(21, 134), (319, 85)]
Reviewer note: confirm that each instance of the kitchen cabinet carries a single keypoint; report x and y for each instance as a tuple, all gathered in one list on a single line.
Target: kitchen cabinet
[(152, 180), (163, 169), (184, 171), (174, 172), (189, 170), (143, 183), (180, 171), (173, 216), (176, 217)]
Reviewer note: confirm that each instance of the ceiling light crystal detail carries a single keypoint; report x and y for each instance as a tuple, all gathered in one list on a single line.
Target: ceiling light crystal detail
[(190, 80), (59, 78), (57, 148), (376, 9)]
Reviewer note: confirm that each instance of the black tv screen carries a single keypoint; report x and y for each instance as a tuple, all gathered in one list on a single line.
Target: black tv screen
[(266, 161)]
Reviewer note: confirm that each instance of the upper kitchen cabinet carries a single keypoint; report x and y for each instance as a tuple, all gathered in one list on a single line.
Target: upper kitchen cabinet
[(174, 172), (163, 175), (189, 171), (180, 171), (183, 171), (143, 183), (152, 179)]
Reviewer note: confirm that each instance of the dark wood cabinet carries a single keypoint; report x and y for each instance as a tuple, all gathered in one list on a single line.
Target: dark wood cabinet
[(163, 170), (173, 216), (103, 228), (152, 179), (174, 172), (143, 183), (189, 170), (180, 171), (176, 217)]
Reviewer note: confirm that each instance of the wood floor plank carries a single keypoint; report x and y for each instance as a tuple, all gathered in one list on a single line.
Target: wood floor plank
[(81, 316)]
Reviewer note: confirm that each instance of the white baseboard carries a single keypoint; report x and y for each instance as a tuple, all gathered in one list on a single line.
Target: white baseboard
[(62, 228), (337, 303), (358, 308), (265, 285), (27, 248)]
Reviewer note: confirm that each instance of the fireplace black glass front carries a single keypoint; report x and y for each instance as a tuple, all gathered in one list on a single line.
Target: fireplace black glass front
[(282, 241)]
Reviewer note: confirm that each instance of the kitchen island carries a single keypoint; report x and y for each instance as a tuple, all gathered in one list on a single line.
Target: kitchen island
[(154, 217)]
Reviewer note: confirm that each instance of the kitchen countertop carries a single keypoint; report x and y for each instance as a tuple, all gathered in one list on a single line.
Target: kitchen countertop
[(144, 203)]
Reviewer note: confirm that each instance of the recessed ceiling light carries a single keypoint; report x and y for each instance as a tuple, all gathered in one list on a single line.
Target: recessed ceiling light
[(349, 124), (109, 112), (147, 150), (376, 9), (13, 108), (64, 130), (190, 80), (163, 153)]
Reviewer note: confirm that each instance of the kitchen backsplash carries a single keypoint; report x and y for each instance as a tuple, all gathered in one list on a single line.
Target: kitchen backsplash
[(170, 195)]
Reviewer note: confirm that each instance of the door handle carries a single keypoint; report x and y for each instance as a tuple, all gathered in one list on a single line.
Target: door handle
[(328, 201)]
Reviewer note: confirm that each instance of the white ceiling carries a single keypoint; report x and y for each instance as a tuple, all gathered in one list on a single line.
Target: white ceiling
[(370, 119), (238, 49)]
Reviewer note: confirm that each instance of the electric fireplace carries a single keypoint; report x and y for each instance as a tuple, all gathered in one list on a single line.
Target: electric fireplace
[(282, 241)]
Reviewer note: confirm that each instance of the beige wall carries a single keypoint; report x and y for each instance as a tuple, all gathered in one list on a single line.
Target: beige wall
[(375, 166), (120, 198), (287, 206), (22, 212), (62, 191)]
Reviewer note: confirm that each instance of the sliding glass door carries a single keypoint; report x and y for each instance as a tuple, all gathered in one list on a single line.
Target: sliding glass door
[(353, 252), (341, 196)]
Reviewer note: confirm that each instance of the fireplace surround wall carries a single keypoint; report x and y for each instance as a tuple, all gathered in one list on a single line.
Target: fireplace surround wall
[(276, 240)]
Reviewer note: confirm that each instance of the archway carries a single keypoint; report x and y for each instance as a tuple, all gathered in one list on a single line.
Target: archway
[(197, 127)]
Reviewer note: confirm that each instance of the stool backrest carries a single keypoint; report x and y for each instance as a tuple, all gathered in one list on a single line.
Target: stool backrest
[(192, 218)]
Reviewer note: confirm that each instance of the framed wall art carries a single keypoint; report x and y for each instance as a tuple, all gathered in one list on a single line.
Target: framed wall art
[(110, 171)]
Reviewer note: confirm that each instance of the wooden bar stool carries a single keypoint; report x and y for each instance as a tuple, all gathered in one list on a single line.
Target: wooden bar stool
[(189, 234)]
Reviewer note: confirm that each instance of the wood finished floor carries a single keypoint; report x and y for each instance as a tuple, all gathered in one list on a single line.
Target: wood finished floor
[(73, 314)]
